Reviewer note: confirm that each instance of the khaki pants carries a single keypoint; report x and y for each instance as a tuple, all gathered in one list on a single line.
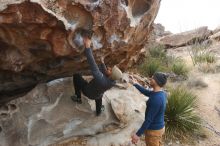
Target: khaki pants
[(154, 137)]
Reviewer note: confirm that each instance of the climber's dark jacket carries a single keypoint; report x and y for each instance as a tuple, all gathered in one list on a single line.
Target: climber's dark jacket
[(100, 82)]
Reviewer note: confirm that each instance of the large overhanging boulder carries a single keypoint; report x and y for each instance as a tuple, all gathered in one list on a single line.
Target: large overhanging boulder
[(36, 38)]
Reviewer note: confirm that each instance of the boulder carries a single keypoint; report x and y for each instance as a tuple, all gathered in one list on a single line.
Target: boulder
[(48, 116), (185, 38), (217, 29), (215, 36), (37, 38), (159, 30)]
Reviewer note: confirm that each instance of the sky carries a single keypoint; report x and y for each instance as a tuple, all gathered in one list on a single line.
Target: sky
[(182, 15)]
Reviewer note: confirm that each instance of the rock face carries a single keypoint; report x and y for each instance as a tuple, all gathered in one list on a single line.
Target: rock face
[(185, 38), (47, 116), (159, 30), (36, 38), (215, 36)]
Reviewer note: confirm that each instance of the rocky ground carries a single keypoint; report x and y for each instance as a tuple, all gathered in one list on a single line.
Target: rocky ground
[(47, 116)]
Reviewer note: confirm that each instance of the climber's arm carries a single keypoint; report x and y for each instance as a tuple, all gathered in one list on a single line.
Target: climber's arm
[(97, 74), (102, 66)]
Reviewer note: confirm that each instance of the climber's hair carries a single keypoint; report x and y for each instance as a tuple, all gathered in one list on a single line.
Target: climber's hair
[(84, 32)]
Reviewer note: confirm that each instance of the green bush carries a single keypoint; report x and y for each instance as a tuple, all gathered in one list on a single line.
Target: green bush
[(179, 68), (157, 51), (180, 116), (169, 60), (157, 60), (150, 66), (154, 61)]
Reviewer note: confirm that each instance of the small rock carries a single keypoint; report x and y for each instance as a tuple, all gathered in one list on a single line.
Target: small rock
[(197, 83), (122, 109)]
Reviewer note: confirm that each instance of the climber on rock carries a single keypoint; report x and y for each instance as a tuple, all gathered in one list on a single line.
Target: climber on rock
[(153, 126), (103, 78)]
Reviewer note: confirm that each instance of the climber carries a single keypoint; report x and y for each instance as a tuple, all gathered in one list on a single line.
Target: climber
[(103, 78), (153, 126)]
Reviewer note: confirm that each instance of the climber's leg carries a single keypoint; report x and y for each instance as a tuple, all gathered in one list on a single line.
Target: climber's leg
[(78, 83), (99, 106)]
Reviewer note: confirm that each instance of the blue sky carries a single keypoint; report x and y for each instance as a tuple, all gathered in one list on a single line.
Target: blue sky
[(181, 15)]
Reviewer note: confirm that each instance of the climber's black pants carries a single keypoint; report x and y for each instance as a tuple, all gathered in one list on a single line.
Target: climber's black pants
[(98, 103), (80, 86)]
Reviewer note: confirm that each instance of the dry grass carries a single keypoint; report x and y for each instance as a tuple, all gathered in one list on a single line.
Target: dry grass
[(200, 53)]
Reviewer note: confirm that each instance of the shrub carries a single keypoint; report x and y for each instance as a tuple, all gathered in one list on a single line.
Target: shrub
[(179, 68), (205, 57), (158, 60), (210, 58), (150, 66), (201, 54), (157, 51), (180, 117), (169, 60), (155, 61)]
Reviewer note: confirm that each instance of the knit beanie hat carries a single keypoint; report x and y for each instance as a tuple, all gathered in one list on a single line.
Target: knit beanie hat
[(160, 78), (116, 73)]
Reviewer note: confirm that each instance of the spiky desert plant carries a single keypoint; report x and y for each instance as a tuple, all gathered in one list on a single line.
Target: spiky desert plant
[(180, 117)]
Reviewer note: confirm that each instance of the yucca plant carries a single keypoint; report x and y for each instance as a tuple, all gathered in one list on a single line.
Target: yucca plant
[(180, 116)]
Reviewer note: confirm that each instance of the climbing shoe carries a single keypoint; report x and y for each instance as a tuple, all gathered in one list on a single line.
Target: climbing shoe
[(103, 108), (76, 99), (98, 113)]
